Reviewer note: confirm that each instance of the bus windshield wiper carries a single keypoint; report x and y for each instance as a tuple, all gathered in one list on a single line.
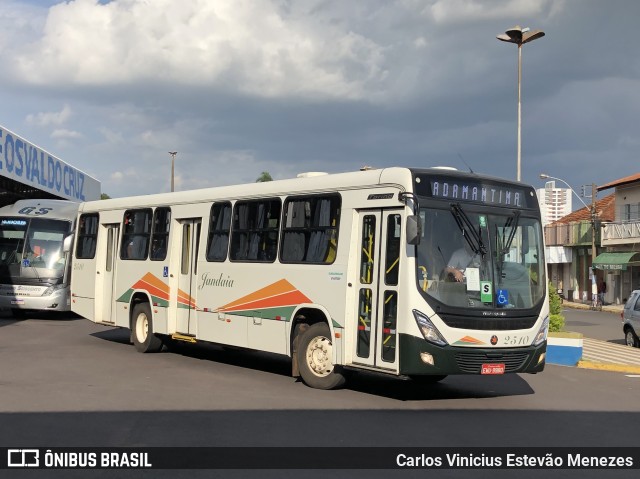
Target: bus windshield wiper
[(512, 222), (473, 237)]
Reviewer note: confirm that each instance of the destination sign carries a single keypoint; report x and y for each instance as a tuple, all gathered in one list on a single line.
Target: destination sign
[(473, 191)]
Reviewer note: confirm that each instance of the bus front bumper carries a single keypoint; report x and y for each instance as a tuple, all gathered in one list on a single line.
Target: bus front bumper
[(58, 300), (416, 356)]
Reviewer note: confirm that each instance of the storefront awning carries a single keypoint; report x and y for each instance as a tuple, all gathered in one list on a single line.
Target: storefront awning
[(617, 261)]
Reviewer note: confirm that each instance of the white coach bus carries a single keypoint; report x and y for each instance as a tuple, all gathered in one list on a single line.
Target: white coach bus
[(358, 270), (34, 262)]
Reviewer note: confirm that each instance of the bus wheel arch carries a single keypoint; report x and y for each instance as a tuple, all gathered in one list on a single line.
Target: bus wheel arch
[(141, 325), (311, 351)]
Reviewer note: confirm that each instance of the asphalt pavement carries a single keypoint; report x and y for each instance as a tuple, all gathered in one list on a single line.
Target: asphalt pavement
[(606, 355)]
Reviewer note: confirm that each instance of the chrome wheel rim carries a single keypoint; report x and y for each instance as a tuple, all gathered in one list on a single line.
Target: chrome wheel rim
[(319, 354), (142, 327)]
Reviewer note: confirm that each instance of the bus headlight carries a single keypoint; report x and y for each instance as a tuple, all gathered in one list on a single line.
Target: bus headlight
[(428, 330), (542, 333), (51, 289)]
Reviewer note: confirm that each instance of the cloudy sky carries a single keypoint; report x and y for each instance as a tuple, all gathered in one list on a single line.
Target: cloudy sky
[(238, 87)]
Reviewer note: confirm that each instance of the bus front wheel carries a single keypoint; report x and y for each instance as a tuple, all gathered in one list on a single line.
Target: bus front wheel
[(142, 328), (315, 358)]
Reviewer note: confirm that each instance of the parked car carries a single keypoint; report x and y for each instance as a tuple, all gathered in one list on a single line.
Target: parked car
[(631, 319)]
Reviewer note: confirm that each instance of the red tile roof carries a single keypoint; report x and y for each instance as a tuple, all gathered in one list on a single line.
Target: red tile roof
[(620, 182), (605, 211)]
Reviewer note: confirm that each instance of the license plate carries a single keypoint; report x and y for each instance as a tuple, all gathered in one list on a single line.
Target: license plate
[(18, 301), (494, 368)]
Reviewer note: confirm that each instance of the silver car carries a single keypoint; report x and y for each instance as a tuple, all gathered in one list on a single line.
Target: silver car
[(631, 319)]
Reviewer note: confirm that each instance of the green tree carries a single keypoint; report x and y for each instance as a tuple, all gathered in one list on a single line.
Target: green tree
[(556, 319), (105, 196), (264, 176)]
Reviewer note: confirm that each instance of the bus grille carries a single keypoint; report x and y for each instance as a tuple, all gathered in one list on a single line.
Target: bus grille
[(471, 362), (484, 324)]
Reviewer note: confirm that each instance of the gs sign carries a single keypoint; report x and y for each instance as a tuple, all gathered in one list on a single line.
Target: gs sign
[(34, 210)]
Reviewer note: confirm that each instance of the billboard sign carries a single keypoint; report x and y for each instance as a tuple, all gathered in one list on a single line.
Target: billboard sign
[(26, 163)]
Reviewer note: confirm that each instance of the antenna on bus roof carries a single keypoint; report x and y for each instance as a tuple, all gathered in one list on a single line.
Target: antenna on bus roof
[(470, 170)]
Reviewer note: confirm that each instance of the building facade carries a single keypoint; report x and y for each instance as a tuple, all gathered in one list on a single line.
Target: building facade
[(570, 250), (555, 203), (621, 239)]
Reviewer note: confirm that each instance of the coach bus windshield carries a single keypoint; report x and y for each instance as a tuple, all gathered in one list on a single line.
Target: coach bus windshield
[(476, 258), (31, 250)]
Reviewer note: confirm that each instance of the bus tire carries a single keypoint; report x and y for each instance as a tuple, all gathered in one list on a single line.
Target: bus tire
[(314, 355), (142, 330)]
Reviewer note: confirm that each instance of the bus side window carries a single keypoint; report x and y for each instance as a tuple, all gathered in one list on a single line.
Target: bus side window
[(136, 234), (310, 232), (87, 236), (255, 231), (219, 226), (160, 234)]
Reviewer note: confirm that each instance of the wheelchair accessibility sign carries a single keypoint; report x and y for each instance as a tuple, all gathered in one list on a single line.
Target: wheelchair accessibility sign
[(502, 297)]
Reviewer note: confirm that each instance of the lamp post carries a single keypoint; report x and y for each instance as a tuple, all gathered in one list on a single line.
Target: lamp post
[(592, 210), (520, 36), (173, 161)]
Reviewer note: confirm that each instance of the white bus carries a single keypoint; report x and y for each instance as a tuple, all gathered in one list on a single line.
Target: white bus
[(34, 262), (342, 271)]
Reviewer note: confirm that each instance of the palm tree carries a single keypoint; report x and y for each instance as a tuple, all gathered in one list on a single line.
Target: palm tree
[(264, 176)]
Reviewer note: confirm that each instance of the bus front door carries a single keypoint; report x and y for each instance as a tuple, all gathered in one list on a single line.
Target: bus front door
[(185, 299), (379, 241), (107, 310)]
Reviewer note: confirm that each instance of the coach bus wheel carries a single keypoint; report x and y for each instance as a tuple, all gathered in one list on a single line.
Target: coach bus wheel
[(142, 328), (315, 358)]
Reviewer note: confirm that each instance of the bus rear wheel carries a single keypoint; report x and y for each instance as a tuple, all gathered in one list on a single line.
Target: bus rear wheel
[(314, 354), (142, 330)]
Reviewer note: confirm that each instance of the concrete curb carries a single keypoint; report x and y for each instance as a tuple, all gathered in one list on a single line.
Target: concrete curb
[(583, 364), (617, 368), (610, 308), (564, 348)]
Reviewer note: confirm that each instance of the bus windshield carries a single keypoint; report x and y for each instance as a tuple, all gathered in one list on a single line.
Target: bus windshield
[(31, 249), (481, 259)]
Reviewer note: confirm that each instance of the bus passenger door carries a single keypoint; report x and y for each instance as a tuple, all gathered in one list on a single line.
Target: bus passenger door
[(379, 246), (108, 293), (185, 300)]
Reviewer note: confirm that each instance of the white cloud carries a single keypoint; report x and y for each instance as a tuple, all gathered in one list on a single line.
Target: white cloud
[(62, 134), (462, 11), (255, 47), (111, 136), (50, 118)]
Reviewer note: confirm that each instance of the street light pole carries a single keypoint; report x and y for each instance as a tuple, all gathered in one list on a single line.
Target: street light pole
[(173, 161), (592, 211), (593, 224), (520, 36)]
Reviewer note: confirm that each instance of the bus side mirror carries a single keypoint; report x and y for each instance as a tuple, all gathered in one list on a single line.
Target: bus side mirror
[(414, 230), (67, 244)]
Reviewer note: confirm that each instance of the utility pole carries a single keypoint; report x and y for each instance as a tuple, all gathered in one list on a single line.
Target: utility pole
[(594, 283), (173, 161), (593, 223)]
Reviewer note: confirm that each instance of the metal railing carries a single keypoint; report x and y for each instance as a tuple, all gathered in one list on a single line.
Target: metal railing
[(620, 233), (572, 234)]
